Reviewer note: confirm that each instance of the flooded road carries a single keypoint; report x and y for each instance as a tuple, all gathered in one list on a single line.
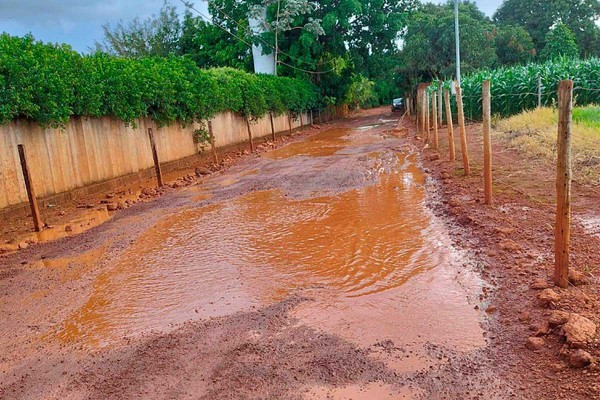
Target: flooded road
[(342, 220)]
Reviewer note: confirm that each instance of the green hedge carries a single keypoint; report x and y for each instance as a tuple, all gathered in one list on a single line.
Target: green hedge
[(50, 83), (514, 89)]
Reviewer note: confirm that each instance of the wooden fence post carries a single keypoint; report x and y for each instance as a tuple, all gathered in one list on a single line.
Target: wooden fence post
[(250, 135), (563, 184), (450, 126), (290, 121), (434, 105), (213, 146), (463, 130), (418, 111), (301, 122), (312, 121), (272, 127), (487, 141), (35, 211), (539, 91), (159, 178), (440, 111), (427, 117)]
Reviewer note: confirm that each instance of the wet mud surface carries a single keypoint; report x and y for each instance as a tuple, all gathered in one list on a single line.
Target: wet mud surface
[(325, 269)]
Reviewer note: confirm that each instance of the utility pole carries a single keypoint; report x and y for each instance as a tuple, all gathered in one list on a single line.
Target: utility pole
[(457, 39), (277, 37)]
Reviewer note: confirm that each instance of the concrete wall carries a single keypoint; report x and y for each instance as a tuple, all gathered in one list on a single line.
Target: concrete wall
[(90, 151)]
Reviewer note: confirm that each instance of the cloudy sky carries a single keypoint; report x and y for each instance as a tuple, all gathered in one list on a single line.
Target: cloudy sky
[(79, 22)]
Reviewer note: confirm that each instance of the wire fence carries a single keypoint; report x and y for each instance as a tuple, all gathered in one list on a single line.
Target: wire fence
[(508, 104)]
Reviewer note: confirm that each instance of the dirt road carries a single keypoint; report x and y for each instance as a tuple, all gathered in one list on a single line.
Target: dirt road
[(330, 268)]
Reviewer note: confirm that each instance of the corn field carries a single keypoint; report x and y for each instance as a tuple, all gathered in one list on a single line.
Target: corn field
[(515, 89)]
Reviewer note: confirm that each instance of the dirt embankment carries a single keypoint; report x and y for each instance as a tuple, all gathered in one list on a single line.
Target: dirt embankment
[(545, 338)]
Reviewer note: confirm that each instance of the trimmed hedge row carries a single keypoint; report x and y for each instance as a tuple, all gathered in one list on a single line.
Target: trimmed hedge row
[(50, 83)]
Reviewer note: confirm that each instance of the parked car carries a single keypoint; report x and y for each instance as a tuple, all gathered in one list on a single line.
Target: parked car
[(397, 105)]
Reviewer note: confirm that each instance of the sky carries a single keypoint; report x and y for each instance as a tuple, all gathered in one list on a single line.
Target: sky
[(79, 22)]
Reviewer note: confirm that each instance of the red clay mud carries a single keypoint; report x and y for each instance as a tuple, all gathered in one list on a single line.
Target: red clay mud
[(331, 268)]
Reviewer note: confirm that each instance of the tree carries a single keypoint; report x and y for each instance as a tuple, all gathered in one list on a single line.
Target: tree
[(210, 46), (560, 42), (157, 35), (513, 45), (429, 42), (538, 16), (360, 93)]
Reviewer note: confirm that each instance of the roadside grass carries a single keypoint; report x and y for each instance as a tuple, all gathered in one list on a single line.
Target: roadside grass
[(534, 134)]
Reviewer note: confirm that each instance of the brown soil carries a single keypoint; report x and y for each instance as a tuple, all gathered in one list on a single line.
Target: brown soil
[(514, 239), (274, 335)]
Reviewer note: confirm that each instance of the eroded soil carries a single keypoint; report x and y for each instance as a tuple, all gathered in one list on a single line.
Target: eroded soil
[(331, 268)]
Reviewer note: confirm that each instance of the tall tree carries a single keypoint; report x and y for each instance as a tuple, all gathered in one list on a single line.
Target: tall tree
[(560, 42), (429, 42), (513, 45), (157, 35), (538, 16), (210, 46)]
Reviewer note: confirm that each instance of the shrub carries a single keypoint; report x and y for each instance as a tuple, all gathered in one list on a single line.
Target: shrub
[(51, 83)]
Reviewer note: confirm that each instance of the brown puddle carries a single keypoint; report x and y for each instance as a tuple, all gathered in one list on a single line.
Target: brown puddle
[(375, 261), (325, 143), (77, 226)]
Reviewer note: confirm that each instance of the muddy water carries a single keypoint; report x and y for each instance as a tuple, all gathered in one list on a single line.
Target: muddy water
[(374, 261)]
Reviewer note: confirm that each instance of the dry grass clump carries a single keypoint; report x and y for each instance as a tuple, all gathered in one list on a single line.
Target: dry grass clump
[(534, 133)]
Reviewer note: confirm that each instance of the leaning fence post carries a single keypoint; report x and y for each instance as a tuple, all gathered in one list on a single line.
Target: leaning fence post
[(434, 105), (463, 130), (250, 135), (272, 127), (213, 146), (487, 141), (450, 125), (35, 211), (539, 91), (159, 178), (563, 184)]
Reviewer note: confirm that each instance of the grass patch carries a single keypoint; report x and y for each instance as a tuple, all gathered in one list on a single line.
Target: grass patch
[(534, 134), (589, 116)]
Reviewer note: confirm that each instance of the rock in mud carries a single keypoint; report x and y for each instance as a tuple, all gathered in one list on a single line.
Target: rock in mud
[(581, 358), (558, 318), (23, 245), (148, 192), (579, 330), (535, 343), (8, 247), (112, 206), (510, 245), (540, 284), (548, 297), (577, 278)]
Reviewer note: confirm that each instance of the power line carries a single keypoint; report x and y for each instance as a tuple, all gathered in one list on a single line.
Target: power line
[(269, 44), (208, 19)]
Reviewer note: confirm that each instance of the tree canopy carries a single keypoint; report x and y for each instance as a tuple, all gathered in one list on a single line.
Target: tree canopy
[(539, 16), (341, 45)]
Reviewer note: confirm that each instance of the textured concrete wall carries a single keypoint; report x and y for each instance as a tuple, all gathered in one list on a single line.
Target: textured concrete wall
[(90, 151)]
